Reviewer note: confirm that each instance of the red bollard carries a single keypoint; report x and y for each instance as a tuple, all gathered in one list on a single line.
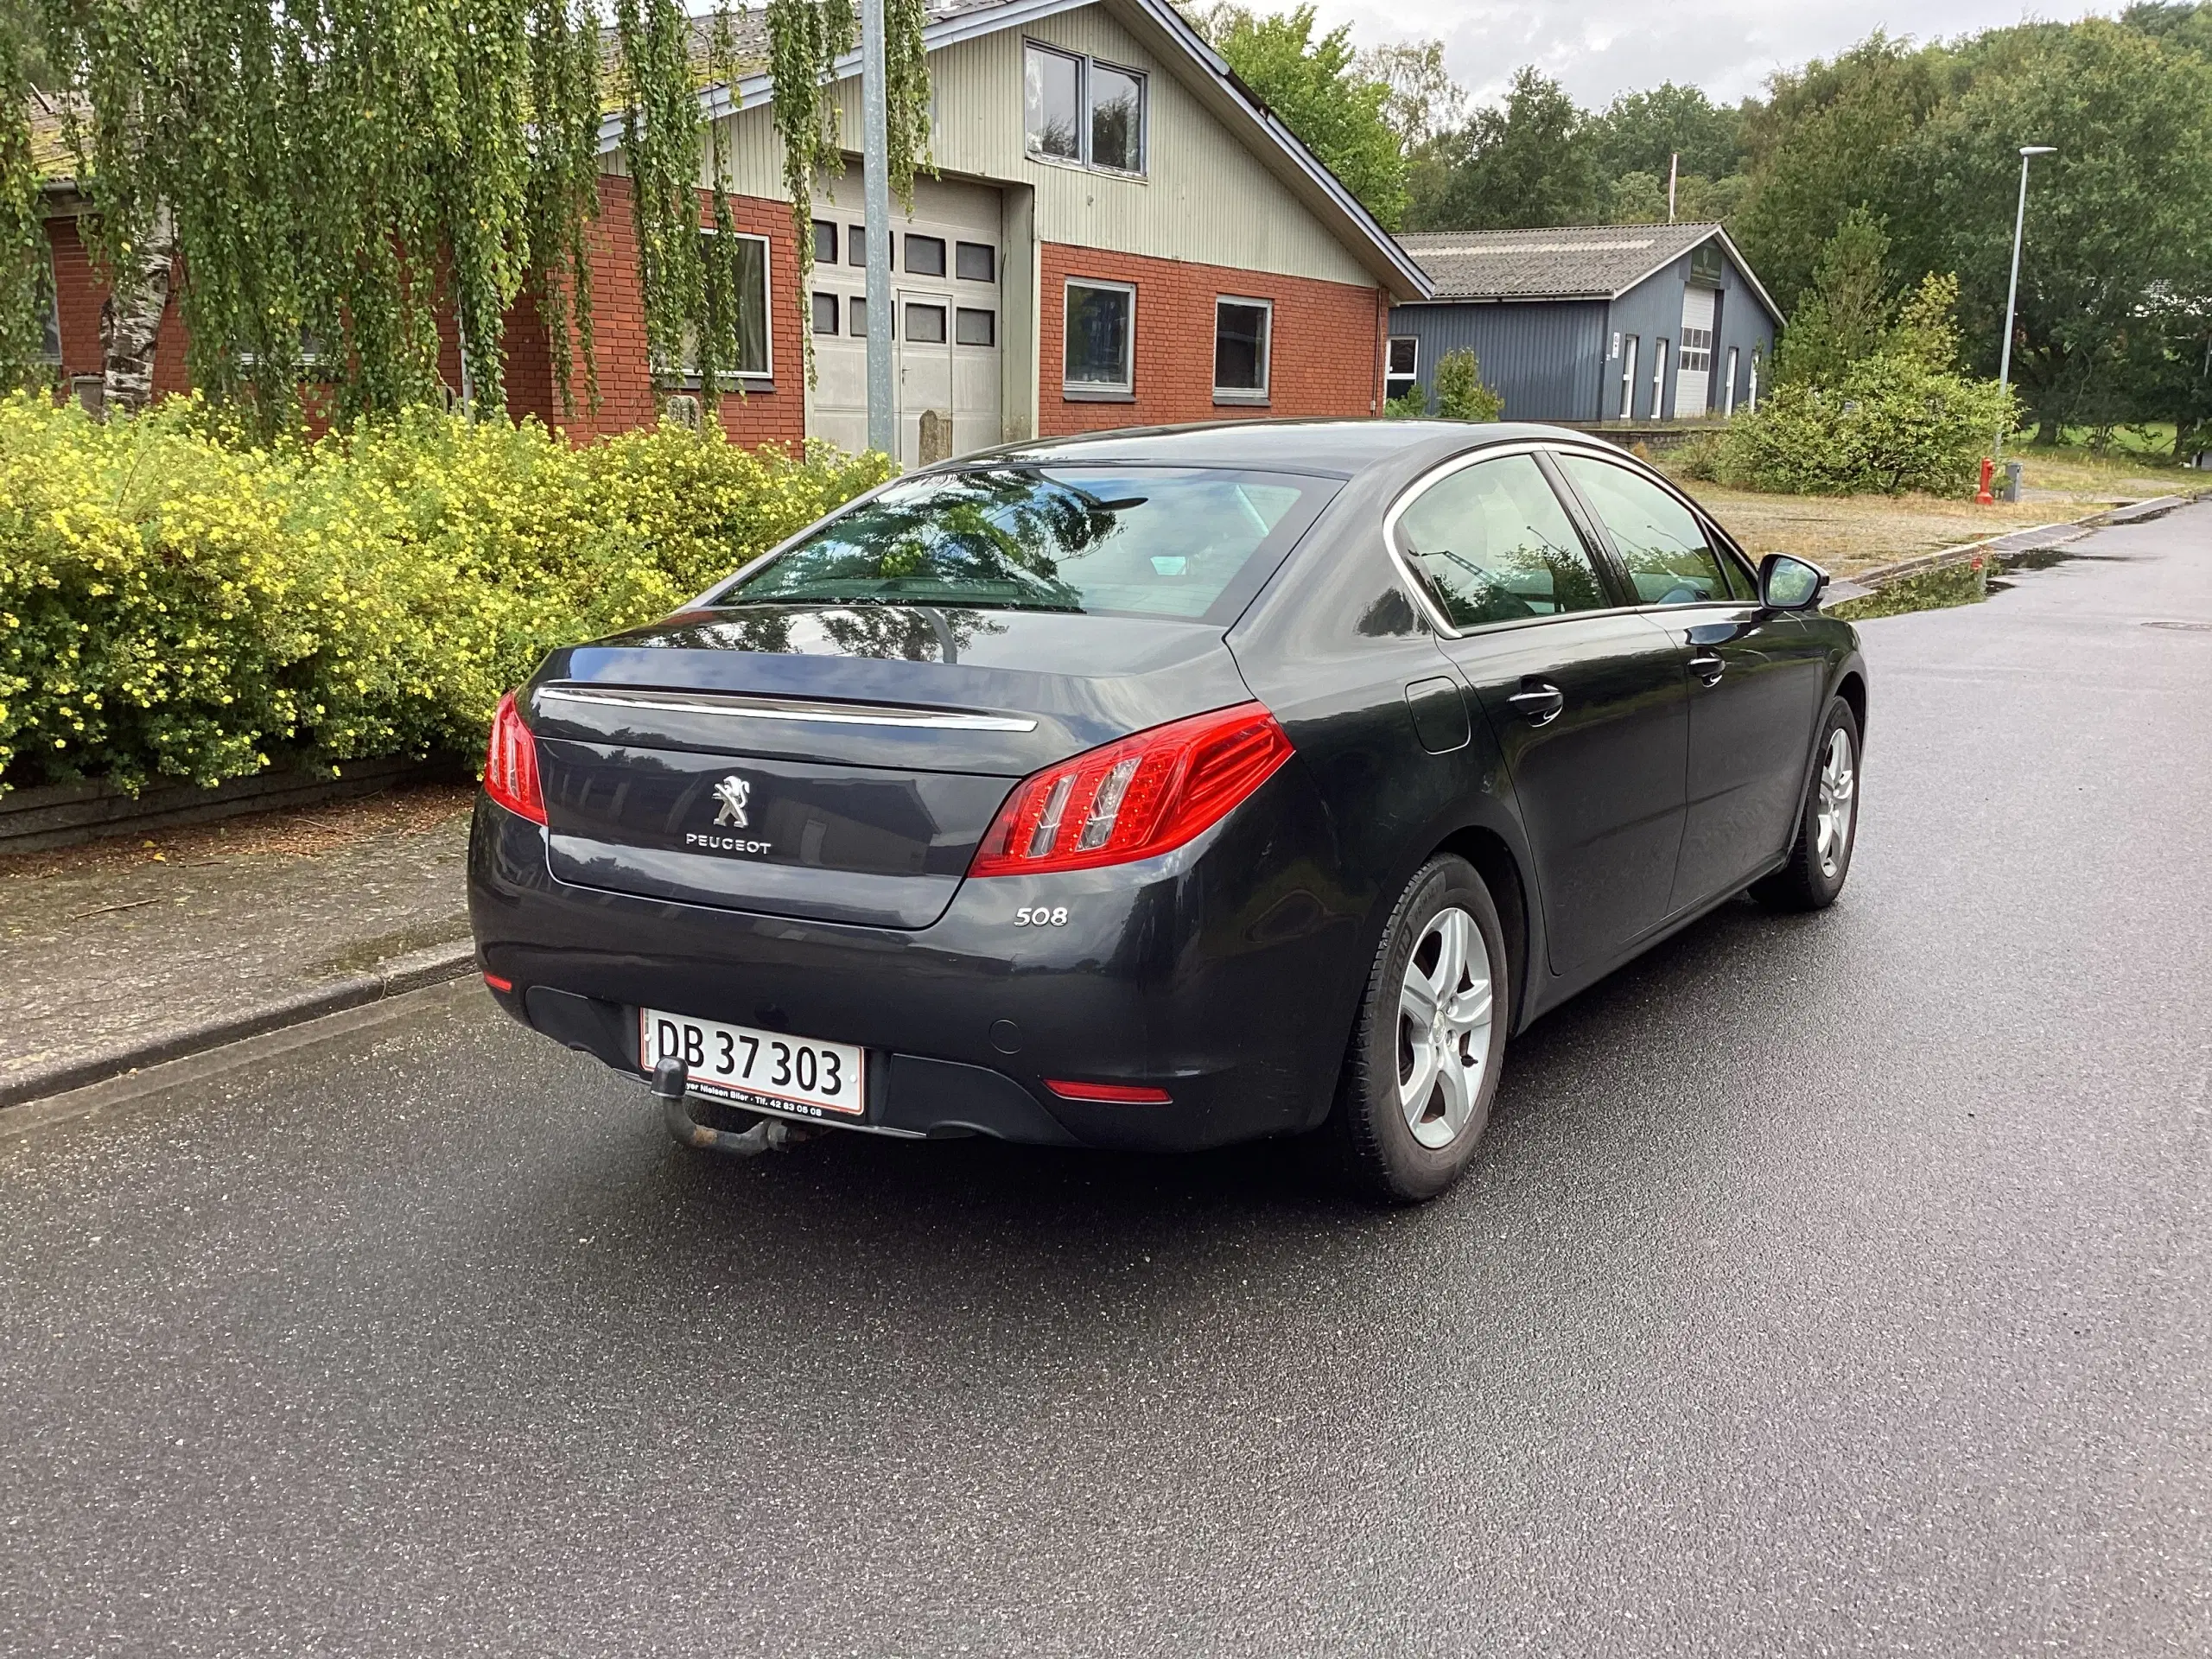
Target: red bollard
[(1982, 497)]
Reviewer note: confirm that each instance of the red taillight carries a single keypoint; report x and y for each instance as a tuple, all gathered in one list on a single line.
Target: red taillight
[(1135, 799), (1112, 1094), (506, 986), (511, 764)]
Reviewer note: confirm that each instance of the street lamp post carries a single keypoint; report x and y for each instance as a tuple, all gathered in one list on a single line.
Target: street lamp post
[(2028, 153)]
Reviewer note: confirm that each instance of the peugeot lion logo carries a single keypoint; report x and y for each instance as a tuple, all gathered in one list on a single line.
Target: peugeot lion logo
[(730, 797)]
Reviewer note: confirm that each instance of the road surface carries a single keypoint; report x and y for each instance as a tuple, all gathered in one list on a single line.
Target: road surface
[(1830, 1285)]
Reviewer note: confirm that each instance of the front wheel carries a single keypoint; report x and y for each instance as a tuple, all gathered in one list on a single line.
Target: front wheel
[(1827, 828), (1423, 1065)]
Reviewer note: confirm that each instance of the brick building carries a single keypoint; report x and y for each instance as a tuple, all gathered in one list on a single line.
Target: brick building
[(1117, 233)]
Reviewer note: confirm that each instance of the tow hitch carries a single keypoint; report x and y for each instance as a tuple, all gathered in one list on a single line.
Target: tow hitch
[(672, 1087)]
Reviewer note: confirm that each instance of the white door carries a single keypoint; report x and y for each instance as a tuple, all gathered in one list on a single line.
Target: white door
[(1694, 368), (927, 423), (947, 260)]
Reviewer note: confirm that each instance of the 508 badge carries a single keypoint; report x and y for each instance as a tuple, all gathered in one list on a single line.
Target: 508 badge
[(1040, 915)]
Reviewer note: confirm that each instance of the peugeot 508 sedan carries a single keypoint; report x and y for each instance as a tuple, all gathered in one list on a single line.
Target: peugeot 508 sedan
[(1167, 788)]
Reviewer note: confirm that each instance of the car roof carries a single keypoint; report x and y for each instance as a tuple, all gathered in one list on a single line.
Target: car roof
[(1334, 448)]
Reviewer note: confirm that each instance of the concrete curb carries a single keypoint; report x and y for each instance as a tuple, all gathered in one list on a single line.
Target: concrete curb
[(413, 971), (2035, 536)]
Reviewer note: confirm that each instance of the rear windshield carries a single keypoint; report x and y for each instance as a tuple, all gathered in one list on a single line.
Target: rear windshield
[(1147, 541)]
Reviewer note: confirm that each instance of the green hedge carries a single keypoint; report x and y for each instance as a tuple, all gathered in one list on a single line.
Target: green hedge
[(1892, 426), (175, 602)]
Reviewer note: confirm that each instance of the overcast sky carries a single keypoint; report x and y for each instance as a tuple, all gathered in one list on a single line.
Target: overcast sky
[(1600, 47)]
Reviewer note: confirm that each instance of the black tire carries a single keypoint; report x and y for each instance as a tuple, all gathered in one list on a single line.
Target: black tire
[(1372, 1142), (1810, 880)]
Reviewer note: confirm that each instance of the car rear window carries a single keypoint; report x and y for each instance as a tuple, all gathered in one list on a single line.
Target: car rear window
[(1146, 541)]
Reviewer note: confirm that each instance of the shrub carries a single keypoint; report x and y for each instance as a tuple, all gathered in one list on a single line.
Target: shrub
[(1697, 458), (1892, 425), (173, 603), (1460, 393), (1410, 407)]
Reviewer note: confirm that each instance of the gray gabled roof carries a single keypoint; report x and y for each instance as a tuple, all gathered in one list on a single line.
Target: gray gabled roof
[(953, 21), (1562, 262)]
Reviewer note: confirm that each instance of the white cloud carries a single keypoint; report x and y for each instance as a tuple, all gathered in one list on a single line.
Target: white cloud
[(1602, 47)]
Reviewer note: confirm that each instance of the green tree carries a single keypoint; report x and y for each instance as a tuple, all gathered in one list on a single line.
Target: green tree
[(1531, 160), (1460, 393), (2176, 23), (1638, 132), (1828, 138), (1318, 89), (2118, 234), (1423, 102), (1846, 314)]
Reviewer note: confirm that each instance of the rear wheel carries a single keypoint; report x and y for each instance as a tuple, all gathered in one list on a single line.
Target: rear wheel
[(1827, 828), (1423, 1065)]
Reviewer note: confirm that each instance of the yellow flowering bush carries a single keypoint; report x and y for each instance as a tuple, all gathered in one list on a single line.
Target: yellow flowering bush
[(175, 602)]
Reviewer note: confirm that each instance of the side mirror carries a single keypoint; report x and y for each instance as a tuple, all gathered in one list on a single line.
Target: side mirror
[(1788, 584)]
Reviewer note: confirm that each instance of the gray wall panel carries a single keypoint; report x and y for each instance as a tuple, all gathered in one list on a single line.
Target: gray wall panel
[(1544, 356)]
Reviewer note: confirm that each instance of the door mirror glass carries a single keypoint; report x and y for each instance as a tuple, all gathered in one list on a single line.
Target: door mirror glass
[(1788, 584)]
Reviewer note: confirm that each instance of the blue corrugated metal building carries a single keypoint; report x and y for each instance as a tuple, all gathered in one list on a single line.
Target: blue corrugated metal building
[(1591, 323)]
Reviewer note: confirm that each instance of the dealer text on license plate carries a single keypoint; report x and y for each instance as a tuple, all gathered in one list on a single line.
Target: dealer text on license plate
[(751, 1067)]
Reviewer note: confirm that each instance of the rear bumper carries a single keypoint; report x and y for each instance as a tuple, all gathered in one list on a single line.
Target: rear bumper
[(1219, 972)]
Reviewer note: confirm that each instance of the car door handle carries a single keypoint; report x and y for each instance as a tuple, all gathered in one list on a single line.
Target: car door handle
[(1540, 700), (1708, 667)]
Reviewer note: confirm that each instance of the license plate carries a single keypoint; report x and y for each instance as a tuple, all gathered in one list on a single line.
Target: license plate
[(764, 1068)]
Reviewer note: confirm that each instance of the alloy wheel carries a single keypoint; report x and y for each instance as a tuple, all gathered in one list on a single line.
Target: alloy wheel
[(1445, 1008), (1832, 815)]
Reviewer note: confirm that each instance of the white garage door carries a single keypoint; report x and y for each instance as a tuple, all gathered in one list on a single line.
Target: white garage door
[(1694, 368), (945, 267)]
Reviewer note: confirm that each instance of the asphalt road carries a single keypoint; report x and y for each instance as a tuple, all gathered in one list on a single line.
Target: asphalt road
[(1830, 1285)]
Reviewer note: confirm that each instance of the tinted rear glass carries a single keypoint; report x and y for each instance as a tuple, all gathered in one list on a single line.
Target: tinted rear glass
[(1140, 540)]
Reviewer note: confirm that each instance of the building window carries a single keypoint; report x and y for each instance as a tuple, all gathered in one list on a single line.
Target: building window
[(1240, 350), (856, 245), (825, 314), (825, 242), (926, 324), (1658, 379), (1628, 378), (1116, 119), (1401, 363), (976, 262), (741, 262), (924, 255), (1697, 351), (1077, 109), (1728, 392), (856, 316), (974, 327), (1101, 339)]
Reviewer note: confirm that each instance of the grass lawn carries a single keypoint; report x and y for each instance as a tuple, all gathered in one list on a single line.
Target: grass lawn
[(1850, 533)]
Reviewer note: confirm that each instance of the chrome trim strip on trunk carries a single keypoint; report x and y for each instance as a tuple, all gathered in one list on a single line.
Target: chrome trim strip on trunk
[(822, 713)]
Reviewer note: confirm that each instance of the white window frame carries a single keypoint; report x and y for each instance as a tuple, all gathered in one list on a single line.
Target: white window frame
[(1099, 391), (1412, 379), (689, 380), (1084, 64), (1629, 344), (1728, 393), (51, 359), (1659, 378), (1244, 394)]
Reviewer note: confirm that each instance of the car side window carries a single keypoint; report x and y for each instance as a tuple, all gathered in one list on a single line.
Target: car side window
[(1497, 545), (1660, 540)]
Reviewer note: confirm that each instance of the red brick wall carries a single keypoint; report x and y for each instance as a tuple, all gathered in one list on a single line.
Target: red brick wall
[(765, 415), (1325, 357), (79, 294)]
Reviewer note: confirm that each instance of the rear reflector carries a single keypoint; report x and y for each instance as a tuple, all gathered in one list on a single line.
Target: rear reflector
[(498, 984), (1115, 1094), (511, 764), (1135, 799)]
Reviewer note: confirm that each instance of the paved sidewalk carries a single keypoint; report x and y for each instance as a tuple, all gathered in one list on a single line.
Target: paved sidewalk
[(114, 956)]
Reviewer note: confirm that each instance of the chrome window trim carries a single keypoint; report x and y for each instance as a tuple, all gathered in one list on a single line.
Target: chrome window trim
[(1459, 463), (784, 710)]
